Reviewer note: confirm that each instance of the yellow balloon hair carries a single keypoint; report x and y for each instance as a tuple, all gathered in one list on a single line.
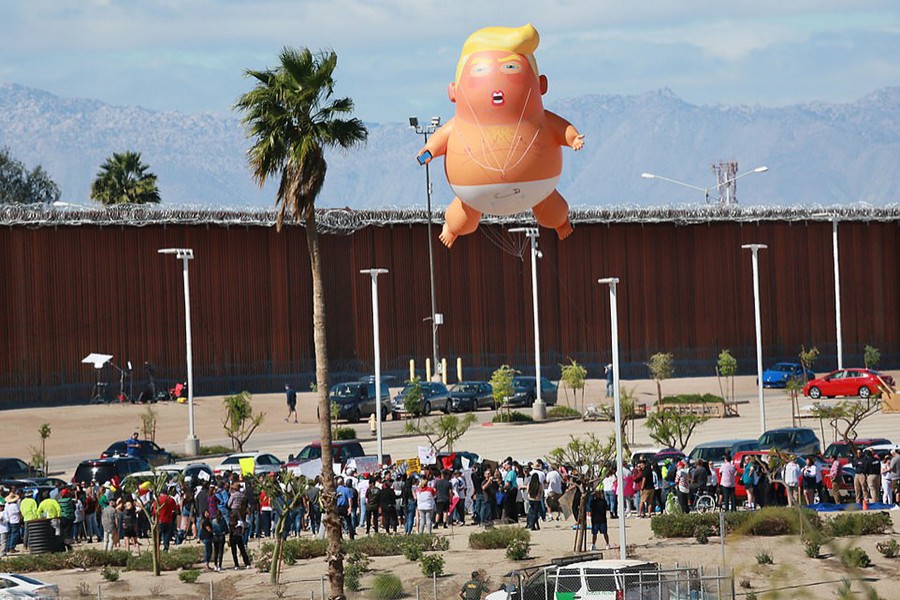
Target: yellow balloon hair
[(522, 40)]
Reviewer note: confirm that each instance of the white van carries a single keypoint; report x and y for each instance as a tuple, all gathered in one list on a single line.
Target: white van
[(591, 580)]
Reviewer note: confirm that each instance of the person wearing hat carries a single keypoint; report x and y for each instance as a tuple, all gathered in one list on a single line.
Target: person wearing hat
[(14, 521)]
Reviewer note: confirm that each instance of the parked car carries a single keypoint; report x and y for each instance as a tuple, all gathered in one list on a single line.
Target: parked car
[(714, 452), (148, 450), (24, 586), (524, 392), (656, 455), (882, 450), (16, 468), (342, 451), (589, 580), (799, 441), (194, 473), (48, 481), (263, 463), (778, 375), (356, 400), (843, 451), (847, 382), (471, 395), (113, 469), (433, 395)]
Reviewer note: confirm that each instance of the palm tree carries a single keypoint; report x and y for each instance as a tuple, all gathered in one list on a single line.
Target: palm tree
[(124, 179), (291, 116)]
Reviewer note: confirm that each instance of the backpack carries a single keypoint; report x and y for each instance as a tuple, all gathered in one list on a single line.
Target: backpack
[(670, 474)]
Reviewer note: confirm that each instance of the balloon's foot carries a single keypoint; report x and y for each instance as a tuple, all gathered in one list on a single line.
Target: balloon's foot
[(447, 238), (564, 230)]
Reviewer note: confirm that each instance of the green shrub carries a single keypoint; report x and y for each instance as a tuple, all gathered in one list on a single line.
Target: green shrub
[(386, 586), (517, 550), (888, 549), (685, 525), (84, 558), (765, 522), (352, 573), (562, 412), (412, 552), (345, 433), (860, 523), (189, 575), (692, 399), (498, 537), (432, 564), (215, 449), (701, 534), (812, 548), (293, 550), (764, 557), (183, 557), (110, 574), (513, 417), (855, 557), (381, 544)]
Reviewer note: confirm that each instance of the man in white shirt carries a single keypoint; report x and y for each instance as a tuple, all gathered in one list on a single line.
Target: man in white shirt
[(791, 475), (553, 483)]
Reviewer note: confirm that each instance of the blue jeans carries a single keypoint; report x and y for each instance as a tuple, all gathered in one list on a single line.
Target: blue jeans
[(207, 550), (13, 537), (165, 534), (478, 508), (410, 516), (611, 501), (315, 519)]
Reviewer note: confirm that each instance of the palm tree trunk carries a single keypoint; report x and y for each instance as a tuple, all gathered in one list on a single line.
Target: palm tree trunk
[(332, 523)]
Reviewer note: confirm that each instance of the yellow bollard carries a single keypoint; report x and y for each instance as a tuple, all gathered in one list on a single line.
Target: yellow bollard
[(427, 369), (412, 369), (459, 368), (444, 371)]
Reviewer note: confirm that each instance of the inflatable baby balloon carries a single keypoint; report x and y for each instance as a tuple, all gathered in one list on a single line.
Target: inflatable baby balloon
[(503, 150)]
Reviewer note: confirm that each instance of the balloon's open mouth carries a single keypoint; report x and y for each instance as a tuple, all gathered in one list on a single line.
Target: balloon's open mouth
[(497, 98)]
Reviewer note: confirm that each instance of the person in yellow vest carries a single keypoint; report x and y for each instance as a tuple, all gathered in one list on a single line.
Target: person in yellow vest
[(49, 508), (29, 509)]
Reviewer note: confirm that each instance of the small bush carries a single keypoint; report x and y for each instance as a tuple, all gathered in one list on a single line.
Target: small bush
[(183, 557), (812, 548), (860, 523), (692, 399), (110, 574), (432, 564), (513, 417), (562, 412), (189, 575), (517, 550), (292, 551), (888, 549), (381, 544), (352, 573), (215, 449), (386, 586), (764, 557), (412, 552), (856, 557), (745, 584), (345, 433), (498, 538), (701, 534)]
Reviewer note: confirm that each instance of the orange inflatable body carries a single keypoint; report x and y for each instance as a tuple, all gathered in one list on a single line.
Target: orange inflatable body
[(502, 149)]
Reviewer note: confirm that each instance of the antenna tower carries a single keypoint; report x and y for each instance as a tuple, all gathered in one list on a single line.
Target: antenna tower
[(726, 173)]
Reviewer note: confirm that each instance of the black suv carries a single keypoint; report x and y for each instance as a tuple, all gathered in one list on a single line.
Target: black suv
[(434, 395), (109, 469), (148, 450), (800, 441), (16, 468), (356, 399)]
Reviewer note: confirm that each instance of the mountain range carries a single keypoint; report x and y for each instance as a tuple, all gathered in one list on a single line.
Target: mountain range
[(817, 153)]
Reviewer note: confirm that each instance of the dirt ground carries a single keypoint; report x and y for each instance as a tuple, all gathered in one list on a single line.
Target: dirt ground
[(84, 431)]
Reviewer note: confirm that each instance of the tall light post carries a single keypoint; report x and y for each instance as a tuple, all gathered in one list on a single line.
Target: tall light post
[(614, 326), (192, 442), (705, 190), (837, 286), (436, 318), (538, 409), (755, 248), (375, 334)]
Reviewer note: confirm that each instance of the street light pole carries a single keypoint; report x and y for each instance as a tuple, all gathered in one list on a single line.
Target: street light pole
[(705, 190), (376, 335), (837, 293), (617, 409), (755, 248), (192, 442), (436, 319), (538, 409)]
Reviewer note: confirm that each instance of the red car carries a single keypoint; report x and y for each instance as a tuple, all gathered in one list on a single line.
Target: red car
[(847, 382)]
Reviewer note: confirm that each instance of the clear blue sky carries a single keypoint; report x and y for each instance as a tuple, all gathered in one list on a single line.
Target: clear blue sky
[(397, 56)]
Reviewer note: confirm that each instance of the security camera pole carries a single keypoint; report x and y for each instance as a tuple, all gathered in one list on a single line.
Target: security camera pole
[(538, 409)]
